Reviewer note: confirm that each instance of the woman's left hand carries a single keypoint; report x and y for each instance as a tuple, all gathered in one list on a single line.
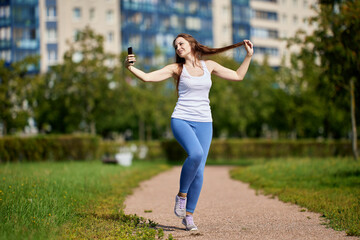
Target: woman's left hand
[(249, 47)]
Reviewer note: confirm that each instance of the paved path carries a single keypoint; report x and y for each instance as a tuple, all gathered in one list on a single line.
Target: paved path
[(227, 209)]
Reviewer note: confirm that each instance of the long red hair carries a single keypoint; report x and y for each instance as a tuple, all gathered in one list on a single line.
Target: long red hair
[(198, 50)]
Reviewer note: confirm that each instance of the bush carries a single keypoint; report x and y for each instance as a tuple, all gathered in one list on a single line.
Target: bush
[(154, 149), (259, 148), (173, 151), (76, 147), (52, 147)]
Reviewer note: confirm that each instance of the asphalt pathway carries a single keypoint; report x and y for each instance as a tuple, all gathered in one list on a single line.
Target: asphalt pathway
[(227, 209)]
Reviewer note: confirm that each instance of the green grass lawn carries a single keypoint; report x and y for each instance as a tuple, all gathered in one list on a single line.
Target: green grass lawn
[(67, 200), (328, 186)]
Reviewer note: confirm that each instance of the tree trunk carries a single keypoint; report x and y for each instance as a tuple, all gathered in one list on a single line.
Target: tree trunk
[(92, 128), (4, 128), (148, 132), (353, 120), (141, 130)]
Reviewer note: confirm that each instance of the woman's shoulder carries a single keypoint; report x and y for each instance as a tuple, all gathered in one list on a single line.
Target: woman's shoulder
[(210, 64), (172, 67)]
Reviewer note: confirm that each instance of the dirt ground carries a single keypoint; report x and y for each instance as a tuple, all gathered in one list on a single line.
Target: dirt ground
[(227, 209)]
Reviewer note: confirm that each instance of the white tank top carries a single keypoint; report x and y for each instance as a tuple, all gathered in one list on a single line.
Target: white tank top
[(193, 103)]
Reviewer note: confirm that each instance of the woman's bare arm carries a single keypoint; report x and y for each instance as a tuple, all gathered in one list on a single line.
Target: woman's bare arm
[(230, 74), (155, 76)]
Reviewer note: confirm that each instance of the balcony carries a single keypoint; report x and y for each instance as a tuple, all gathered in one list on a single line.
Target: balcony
[(27, 44)]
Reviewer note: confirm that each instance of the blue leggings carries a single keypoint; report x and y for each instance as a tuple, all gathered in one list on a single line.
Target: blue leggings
[(195, 138)]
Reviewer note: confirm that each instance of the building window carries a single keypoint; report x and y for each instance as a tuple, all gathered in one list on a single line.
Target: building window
[(92, 14), (295, 3), (174, 21), (179, 6), (51, 13), (135, 41), (264, 15), (52, 35), (264, 33), (76, 35), (295, 19), (77, 14), (225, 10), (225, 29), (5, 33), (193, 23), (272, 1), (52, 57), (137, 18), (306, 4), (284, 18), (4, 12), (110, 37), (6, 55), (266, 51), (242, 33), (193, 7), (110, 16)]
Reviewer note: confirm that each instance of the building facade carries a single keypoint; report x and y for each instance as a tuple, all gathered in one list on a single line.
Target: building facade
[(46, 27), (19, 29), (150, 26), (272, 21), (61, 21)]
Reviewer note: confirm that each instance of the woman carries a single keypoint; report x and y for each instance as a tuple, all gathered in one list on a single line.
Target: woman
[(191, 121)]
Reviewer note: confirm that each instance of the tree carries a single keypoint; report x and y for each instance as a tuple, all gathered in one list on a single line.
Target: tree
[(298, 106), (336, 43), (16, 86), (79, 92), (242, 108)]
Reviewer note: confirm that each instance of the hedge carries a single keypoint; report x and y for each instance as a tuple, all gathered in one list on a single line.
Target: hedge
[(85, 147), (48, 148), (233, 149), (154, 148)]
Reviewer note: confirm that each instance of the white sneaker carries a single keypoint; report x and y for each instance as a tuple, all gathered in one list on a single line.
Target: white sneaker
[(180, 206), (188, 221)]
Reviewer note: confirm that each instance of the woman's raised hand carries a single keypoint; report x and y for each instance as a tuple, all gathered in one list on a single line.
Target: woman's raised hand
[(249, 47), (130, 60)]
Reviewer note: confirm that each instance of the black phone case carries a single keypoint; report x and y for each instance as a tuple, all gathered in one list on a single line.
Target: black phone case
[(130, 52)]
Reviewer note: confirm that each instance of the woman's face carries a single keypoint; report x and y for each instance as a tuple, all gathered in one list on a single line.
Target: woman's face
[(182, 47)]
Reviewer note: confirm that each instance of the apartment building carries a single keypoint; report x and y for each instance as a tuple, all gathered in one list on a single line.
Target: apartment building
[(231, 24), (272, 21), (150, 26), (45, 27), (19, 29), (61, 21)]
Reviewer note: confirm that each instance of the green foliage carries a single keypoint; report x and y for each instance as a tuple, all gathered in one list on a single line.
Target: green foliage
[(91, 92), (173, 151), (154, 148), (71, 200), (77, 147), (229, 151), (48, 148), (333, 51), (238, 107), (76, 94), (327, 186), (16, 88)]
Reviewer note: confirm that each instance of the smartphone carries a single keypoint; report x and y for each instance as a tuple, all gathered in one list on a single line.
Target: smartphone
[(130, 52)]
